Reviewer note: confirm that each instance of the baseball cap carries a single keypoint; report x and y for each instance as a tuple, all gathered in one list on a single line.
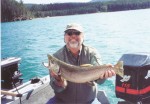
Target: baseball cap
[(74, 26)]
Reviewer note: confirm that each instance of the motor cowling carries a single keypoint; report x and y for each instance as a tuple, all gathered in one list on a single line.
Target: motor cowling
[(10, 74), (135, 84)]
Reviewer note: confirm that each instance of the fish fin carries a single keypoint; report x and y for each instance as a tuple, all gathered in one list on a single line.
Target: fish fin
[(53, 73), (91, 83), (57, 76), (86, 65)]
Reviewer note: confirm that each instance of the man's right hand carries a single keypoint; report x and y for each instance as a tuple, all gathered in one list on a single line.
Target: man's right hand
[(59, 81)]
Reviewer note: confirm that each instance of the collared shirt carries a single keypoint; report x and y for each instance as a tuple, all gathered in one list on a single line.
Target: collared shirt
[(76, 92)]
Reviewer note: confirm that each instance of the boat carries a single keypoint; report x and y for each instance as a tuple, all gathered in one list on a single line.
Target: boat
[(38, 90), (35, 91)]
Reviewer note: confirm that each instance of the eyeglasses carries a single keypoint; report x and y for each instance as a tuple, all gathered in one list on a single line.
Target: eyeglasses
[(70, 33)]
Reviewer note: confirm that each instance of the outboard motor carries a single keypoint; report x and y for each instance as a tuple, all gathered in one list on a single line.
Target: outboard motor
[(135, 85), (10, 74)]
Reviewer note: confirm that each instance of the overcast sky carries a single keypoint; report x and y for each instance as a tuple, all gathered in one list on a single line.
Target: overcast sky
[(51, 1)]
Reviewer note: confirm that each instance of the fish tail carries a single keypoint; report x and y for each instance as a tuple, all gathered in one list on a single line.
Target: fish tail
[(119, 68), (119, 65)]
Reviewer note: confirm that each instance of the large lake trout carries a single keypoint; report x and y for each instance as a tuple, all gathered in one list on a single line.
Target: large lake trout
[(81, 74)]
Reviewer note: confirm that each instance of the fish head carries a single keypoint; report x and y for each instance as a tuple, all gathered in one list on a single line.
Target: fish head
[(52, 65), (119, 69)]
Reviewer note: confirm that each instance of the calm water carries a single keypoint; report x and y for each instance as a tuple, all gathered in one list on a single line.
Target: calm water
[(113, 34)]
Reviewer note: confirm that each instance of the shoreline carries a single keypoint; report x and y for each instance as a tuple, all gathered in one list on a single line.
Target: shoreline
[(75, 15)]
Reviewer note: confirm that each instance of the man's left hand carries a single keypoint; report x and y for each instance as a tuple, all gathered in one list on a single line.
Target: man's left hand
[(108, 73)]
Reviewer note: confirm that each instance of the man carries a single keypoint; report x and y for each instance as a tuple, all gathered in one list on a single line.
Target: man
[(76, 53)]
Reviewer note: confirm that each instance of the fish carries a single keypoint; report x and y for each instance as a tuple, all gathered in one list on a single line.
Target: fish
[(83, 73)]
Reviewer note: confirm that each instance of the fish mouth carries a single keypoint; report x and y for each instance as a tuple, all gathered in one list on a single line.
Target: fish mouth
[(45, 64), (48, 65)]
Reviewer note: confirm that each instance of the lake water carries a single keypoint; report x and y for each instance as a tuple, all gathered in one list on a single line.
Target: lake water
[(113, 34)]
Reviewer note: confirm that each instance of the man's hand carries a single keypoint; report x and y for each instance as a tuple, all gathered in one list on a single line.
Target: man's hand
[(108, 73), (59, 81)]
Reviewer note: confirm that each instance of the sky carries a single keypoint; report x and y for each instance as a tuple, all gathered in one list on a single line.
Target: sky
[(51, 1)]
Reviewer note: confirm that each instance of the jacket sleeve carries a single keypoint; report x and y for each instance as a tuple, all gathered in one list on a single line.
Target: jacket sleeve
[(54, 86), (96, 60)]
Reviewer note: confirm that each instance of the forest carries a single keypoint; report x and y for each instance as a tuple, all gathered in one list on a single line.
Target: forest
[(12, 10)]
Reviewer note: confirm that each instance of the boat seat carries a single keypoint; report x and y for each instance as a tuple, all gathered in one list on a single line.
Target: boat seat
[(102, 98)]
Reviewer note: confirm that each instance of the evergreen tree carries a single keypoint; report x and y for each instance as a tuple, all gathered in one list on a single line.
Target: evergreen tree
[(11, 10)]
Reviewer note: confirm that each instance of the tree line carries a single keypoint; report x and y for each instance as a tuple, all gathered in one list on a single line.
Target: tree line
[(60, 9), (12, 10)]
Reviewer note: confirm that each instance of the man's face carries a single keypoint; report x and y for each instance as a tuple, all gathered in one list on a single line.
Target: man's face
[(73, 38)]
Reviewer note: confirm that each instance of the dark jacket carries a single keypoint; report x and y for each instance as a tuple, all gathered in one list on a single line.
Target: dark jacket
[(76, 93)]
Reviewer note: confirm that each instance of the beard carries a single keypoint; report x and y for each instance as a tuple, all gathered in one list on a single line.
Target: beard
[(73, 44)]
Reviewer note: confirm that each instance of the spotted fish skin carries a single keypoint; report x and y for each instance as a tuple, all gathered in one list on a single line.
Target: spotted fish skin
[(81, 74)]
